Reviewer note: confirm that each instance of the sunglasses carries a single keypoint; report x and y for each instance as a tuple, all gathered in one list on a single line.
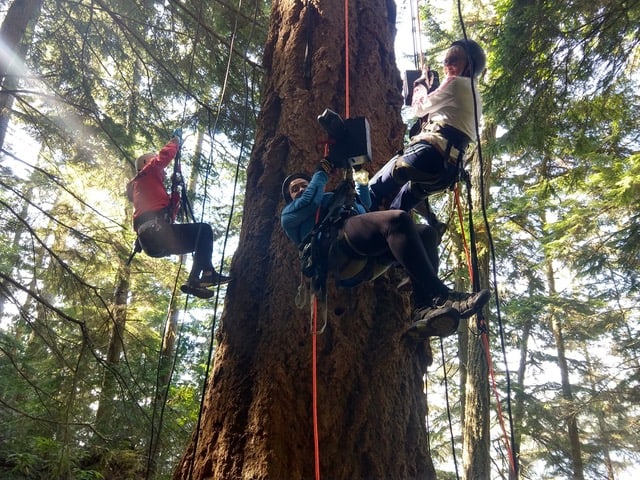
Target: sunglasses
[(296, 187), (452, 60)]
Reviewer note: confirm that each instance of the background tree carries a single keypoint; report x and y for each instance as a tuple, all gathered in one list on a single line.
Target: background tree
[(547, 62), (550, 61), (102, 93), (15, 37)]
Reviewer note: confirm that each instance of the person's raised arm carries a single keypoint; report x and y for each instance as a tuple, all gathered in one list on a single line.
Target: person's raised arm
[(169, 151), (443, 96)]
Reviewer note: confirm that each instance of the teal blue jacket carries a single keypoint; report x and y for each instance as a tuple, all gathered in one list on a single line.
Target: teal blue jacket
[(299, 216)]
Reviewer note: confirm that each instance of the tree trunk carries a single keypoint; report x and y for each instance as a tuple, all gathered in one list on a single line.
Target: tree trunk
[(603, 430), (519, 388), (15, 40), (105, 414), (475, 429), (5, 286), (257, 419), (106, 406), (567, 389)]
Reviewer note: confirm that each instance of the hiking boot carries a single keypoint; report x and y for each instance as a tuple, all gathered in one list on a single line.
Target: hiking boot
[(465, 303), (209, 279), (196, 290), (434, 322)]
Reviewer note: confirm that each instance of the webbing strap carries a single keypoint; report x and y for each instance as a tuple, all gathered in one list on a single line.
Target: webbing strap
[(341, 198), (179, 201)]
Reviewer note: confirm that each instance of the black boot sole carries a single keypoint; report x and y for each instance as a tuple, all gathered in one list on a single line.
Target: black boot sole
[(199, 292), (443, 323)]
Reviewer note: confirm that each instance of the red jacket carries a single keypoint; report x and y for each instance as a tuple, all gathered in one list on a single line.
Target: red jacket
[(147, 190)]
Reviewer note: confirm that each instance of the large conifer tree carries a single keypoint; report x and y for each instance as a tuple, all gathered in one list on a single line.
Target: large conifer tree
[(258, 418)]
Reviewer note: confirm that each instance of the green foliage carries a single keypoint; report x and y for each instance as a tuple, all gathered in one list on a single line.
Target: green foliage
[(548, 55), (108, 80), (47, 459), (23, 463), (562, 85), (102, 83)]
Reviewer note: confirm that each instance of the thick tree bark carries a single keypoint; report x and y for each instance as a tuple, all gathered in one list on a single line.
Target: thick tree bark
[(257, 415)]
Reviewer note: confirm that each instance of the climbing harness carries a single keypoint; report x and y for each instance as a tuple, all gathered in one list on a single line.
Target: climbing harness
[(330, 220), (448, 153), (509, 439), (209, 362), (315, 247)]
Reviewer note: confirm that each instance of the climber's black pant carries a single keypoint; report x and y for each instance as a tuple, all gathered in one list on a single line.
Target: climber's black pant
[(407, 179), (392, 235), (160, 239)]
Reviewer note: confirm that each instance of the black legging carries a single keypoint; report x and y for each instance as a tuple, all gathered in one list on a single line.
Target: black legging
[(176, 239), (393, 235)]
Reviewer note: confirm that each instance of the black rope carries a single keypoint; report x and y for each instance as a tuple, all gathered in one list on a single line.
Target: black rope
[(228, 228), (185, 211), (178, 186), (307, 66), (446, 395), (493, 259), (415, 19), (154, 442)]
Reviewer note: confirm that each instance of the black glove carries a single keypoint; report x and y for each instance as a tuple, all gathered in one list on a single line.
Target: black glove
[(434, 80), (324, 166)]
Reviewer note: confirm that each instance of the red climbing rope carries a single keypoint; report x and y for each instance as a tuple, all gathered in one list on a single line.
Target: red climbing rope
[(505, 437), (314, 313), (314, 361), (316, 446)]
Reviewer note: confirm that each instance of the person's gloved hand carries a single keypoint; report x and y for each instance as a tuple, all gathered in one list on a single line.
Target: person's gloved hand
[(361, 176), (177, 133), (433, 80), (324, 166)]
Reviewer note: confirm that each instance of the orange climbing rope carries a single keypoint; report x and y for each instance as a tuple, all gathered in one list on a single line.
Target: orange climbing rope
[(314, 313), (314, 367), (456, 196), (316, 446)]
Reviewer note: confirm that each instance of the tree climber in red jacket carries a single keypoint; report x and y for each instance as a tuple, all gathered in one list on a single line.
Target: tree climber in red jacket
[(152, 221)]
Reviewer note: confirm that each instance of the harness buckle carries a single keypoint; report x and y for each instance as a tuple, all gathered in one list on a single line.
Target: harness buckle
[(446, 148)]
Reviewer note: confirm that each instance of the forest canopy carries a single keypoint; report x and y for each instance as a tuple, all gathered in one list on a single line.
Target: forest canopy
[(102, 365)]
